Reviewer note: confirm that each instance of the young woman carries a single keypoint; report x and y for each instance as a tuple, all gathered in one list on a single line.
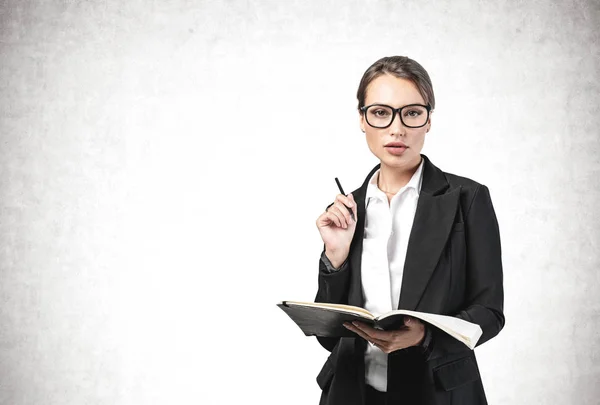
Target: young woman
[(423, 240)]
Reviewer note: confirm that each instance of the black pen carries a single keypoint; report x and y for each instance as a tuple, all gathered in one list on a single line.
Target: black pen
[(342, 191)]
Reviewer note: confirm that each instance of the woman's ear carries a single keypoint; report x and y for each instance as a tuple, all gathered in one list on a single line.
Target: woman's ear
[(429, 123), (361, 122)]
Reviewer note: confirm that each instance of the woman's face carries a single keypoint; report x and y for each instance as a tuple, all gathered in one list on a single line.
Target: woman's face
[(396, 93)]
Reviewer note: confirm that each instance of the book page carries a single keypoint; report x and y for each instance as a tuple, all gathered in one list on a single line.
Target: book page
[(467, 332), (340, 307)]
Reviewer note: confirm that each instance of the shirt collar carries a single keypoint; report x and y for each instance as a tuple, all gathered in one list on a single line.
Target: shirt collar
[(415, 183)]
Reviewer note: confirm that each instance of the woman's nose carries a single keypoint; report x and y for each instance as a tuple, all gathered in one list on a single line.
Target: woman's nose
[(397, 127)]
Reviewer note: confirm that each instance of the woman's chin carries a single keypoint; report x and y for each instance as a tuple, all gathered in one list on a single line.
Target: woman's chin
[(398, 161)]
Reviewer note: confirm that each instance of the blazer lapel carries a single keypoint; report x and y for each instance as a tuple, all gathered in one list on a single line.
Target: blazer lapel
[(432, 224)]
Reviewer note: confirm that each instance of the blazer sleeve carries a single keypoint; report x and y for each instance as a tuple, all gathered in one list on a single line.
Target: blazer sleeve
[(333, 289), (484, 298)]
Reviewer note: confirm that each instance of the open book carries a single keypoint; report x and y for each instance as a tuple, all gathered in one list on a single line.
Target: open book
[(327, 320)]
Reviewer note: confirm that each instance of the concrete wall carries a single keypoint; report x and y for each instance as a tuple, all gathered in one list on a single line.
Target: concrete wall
[(162, 164)]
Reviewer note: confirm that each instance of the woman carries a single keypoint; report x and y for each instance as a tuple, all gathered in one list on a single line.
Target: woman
[(423, 240)]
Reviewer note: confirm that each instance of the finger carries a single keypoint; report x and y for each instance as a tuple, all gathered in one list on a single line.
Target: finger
[(344, 211), (345, 205), (352, 326), (347, 201), (326, 219), (335, 210), (365, 336), (334, 219), (382, 335), (354, 206), (411, 321), (323, 220), (348, 204)]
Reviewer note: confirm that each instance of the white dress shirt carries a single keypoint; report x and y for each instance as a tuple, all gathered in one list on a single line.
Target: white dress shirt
[(387, 229)]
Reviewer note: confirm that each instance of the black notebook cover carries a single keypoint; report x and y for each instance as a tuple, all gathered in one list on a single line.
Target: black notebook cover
[(323, 322)]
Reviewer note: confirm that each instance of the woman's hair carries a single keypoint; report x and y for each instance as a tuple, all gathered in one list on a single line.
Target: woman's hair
[(401, 67)]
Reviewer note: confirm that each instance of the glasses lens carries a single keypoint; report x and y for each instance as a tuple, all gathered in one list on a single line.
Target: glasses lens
[(379, 116), (414, 116)]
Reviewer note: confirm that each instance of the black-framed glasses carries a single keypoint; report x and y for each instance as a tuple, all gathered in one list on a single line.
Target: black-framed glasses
[(382, 116)]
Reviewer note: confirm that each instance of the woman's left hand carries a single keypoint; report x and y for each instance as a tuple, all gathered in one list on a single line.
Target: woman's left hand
[(388, 341)]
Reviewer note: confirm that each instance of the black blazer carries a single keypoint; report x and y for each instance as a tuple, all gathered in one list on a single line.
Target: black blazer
[(453, 267)]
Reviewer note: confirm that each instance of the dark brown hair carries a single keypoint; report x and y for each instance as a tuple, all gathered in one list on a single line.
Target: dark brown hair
[(401, 67)]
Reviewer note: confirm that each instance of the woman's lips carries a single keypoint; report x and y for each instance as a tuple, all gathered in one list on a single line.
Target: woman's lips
[(396, 150)]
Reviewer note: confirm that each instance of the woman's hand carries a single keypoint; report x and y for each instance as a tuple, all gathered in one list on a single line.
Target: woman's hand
[(337, 228), (412, 334)]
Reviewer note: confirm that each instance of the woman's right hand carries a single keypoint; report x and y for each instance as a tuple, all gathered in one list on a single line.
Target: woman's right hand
[(337, 228)]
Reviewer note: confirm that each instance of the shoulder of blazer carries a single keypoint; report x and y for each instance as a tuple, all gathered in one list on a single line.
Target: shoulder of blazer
[(468, 188), (459, 181)]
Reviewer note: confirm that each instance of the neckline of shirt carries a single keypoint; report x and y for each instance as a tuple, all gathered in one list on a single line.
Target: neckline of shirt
[(415, 182)]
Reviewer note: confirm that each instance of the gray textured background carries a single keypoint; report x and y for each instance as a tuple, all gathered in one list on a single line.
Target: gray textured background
[(162, 165)]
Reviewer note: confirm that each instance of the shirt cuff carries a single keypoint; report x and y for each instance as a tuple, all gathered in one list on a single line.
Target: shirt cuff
[(329, 267)]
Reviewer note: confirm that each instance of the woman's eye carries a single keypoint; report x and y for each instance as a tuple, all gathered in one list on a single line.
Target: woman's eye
[(412, 113), (380, 113)]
